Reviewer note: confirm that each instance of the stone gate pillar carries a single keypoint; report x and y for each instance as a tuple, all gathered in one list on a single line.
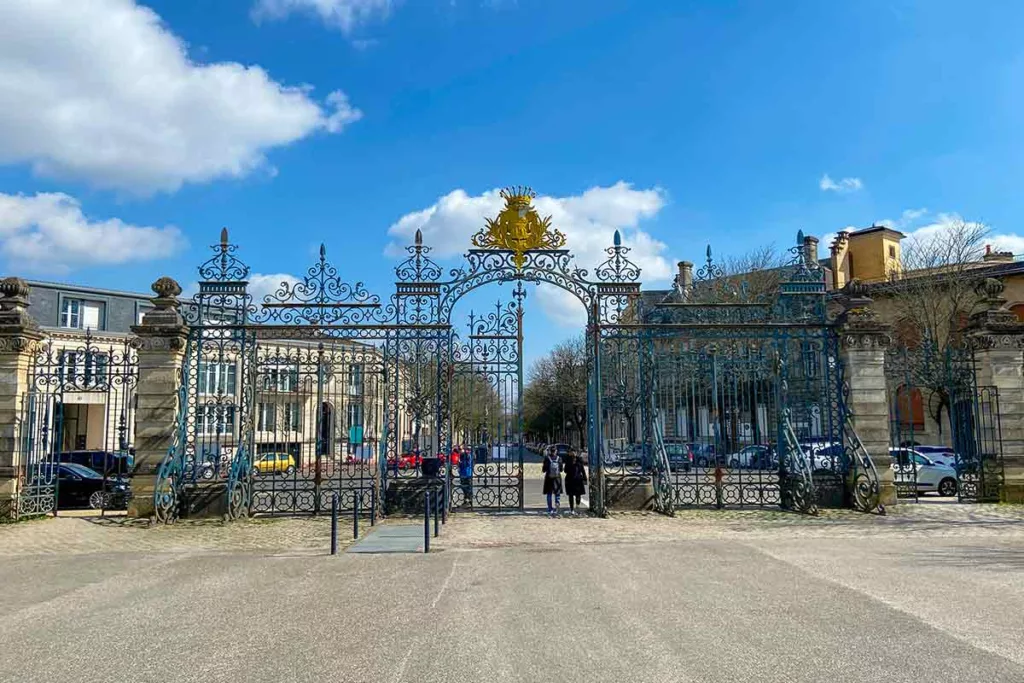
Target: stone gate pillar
[(161, 351), (863, 341), (19, 338), (997, 338)]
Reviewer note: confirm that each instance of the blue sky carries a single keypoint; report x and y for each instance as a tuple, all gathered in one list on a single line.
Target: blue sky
[(130, 132)]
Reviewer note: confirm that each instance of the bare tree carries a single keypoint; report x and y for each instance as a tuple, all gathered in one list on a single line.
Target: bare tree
[(936, 287), (750, 277), (556, 391), (930, 297)]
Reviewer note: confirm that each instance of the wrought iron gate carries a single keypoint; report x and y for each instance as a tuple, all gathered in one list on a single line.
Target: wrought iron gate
[(941, 419), (486, 410), (715, 394), (79, 410), (726, 397)]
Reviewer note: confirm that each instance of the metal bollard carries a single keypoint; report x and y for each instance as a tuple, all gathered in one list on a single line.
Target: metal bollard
[(719, 501), (373, 505), (355, 515), (426, 522), (437, 515), (334, 524)]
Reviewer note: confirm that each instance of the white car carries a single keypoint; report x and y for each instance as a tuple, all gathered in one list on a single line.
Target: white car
[(911, 468), (752, 457), (824, 455)]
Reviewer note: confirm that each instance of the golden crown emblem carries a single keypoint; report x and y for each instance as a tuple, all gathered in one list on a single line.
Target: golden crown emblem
[(518, 227)]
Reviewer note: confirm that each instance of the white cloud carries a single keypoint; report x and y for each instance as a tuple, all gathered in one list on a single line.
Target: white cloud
[(103, 91), (589, 221), (921, 225), (345, 15), (844, 186), (49, 232), (936, 225), (260, 284)]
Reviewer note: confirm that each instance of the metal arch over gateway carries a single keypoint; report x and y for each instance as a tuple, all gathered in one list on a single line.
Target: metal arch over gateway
[(700, 397)]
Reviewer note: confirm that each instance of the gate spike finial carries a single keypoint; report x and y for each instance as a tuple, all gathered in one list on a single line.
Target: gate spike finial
[(617, 239), (799, 237), (223, 237), (419, 237), (323, 251)]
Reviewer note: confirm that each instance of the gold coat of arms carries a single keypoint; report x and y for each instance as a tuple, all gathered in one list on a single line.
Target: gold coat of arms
[(518, 228)]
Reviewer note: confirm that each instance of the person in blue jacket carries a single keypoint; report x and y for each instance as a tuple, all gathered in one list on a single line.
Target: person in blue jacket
[(466, 476)]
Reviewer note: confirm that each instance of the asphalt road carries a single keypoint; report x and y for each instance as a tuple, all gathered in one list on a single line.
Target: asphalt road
[(910, 605)]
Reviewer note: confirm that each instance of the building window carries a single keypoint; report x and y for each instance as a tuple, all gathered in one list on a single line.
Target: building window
[(892, 251), (355, 415), (355, 379), (266, 417), (71, 313), (281, 378), (83, 369), (218, 379), (909, 408), (77, 314), (215, 419), (292, 417)]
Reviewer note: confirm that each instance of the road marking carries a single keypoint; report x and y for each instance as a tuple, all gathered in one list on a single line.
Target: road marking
[(405, 660), (444, 585)]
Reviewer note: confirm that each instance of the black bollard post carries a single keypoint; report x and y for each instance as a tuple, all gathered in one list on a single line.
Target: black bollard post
[(334, 524), (373, 505), (426, 522), (437, 515), (355, 515)]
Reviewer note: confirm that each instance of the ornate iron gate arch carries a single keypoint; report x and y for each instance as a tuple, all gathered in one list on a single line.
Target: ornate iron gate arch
[(688, 375)]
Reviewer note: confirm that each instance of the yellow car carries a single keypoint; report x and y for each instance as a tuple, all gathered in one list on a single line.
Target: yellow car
[(274, 463)]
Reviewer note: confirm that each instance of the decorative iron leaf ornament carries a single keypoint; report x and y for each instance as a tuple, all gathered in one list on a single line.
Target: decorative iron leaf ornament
[(518, 228)]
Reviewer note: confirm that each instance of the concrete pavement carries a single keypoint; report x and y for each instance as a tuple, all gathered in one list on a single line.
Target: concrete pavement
[(706, 597)]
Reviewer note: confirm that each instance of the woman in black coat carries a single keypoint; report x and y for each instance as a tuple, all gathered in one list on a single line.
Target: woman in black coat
[(575, 479)]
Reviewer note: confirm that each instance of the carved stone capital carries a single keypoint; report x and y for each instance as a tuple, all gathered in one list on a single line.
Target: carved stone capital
[(991, 340), (21, 341), (160, 337)]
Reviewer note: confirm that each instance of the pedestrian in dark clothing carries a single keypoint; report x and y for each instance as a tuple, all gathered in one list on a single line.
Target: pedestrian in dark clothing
[(552, 469), (575, 479)]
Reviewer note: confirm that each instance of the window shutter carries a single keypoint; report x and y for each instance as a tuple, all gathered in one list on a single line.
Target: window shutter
[(91, 316)]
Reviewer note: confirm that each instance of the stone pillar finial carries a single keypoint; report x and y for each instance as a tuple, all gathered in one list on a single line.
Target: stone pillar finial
[(994, 317), (14, 305), (166, 311)]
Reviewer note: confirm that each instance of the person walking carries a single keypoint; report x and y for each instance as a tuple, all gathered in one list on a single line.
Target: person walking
[(575, 479), (552, 469), (465, 460)]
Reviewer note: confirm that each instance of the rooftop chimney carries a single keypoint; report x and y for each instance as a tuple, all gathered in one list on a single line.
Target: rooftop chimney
[(810, 247), (684, 279), (996, 256)]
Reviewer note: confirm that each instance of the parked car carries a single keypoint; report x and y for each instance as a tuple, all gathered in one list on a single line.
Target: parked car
[(274, 463), (825, 455), (943, 455), (680, 456), (79, 486), (406, 461), (110, 463), (911, 468), (703, 454), (751, 457)]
